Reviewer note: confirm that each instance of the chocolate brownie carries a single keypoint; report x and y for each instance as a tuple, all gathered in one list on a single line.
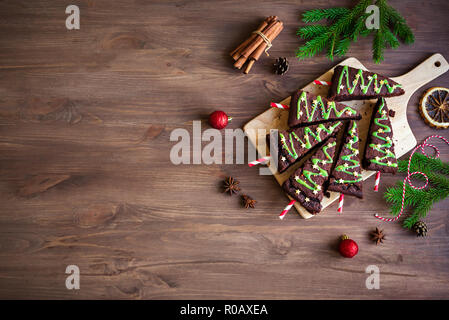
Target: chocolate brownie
[(294, 143), (306, 184), (307, 109), (347, 175), (379, 151), (356, 84)]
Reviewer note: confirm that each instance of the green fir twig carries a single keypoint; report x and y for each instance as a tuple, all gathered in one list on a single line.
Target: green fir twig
[(421, 201), (347, 25), (320, 14)]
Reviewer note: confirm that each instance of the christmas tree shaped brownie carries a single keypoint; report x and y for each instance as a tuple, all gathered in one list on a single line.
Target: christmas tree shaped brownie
[(294, 143), (379, 151), (306, 184), (356, 84), (347, 175), (308, 109)]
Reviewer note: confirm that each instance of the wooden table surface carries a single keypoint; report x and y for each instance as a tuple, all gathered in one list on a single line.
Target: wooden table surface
[(86, 178)]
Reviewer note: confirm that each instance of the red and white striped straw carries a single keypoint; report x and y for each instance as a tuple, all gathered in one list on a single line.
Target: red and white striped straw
[(322, 83), (409, 175), (287, 208), (283, 106), (259, 161), (279, 106), (340, 203), (376, 184)]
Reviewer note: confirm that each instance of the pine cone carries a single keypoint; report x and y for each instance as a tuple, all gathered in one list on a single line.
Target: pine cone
[(281, 66), (248, 202), (231, 185), (420, 228)]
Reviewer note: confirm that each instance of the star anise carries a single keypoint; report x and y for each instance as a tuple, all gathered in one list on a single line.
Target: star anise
[(248, 202), (231, 185), (378, 236)]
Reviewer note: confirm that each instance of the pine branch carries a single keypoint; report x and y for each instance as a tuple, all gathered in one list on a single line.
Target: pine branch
[(378, 47), (320, 14), (438, 180), (383, 11), (435, 179), (380, 38), (360, 27), (435, 169), (311, 31), (421, 163), (391, 39), (342, 46), (312, 47), (347, 26), (422, 201), (400, 26), (331, 47), (412, 196), (410, 221), (329, 38), (437, 194), (423, 208)]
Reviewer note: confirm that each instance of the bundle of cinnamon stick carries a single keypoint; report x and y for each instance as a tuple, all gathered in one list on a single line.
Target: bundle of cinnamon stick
[(253, 47)]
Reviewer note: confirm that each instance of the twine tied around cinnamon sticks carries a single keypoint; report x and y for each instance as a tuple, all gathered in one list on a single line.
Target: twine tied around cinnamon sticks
[(260, 41), (267, 41)]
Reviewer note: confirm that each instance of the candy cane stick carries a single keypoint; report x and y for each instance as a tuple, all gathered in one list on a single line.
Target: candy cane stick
[(283, 106), (376, 184), (259, 161), (279, 106), (340, 203), (322, 83), (410, 174), (287, 208)]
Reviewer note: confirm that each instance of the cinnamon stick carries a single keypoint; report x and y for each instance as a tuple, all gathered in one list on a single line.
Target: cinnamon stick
[(271, 36), (258, 40), (244, 55), (255, 55), (249, 66), (253, 47), (236, 52), (240, 62)]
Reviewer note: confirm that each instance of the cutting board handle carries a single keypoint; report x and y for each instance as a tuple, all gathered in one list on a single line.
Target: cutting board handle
[(426, 71)]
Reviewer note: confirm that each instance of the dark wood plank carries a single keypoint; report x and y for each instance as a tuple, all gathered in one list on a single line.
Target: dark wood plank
[(85, 175)]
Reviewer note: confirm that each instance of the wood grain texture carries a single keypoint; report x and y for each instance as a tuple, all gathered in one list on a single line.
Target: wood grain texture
[(85, 175)]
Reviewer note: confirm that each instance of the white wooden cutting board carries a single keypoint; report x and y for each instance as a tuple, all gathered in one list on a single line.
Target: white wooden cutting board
[(403, 138)]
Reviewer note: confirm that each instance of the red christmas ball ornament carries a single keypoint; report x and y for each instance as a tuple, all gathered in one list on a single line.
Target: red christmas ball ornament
[(348, 248), (219, 119)]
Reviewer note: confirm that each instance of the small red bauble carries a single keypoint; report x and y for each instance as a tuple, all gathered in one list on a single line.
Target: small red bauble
[(348, 248), (219, 119)]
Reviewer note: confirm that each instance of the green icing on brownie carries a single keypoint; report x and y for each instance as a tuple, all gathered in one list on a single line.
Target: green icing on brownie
[(308, 182), (383, 148), (359, 80), (318, 103)]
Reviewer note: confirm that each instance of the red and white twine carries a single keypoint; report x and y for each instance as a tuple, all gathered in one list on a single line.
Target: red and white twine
[(410, 174)]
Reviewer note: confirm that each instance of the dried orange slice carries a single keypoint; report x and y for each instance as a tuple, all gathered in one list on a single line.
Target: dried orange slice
[(434, 107)]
